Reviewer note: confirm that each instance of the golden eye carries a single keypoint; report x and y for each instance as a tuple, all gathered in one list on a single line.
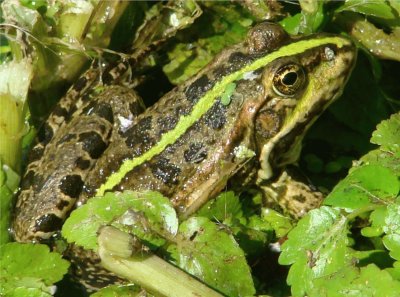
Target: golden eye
[(289, 79)]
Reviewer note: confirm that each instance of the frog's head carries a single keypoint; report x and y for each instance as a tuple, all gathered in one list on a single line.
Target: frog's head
[(300, 78)]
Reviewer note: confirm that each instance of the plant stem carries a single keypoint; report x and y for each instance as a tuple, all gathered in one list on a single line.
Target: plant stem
[(145, 269)]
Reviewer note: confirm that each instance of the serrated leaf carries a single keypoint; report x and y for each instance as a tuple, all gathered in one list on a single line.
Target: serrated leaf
[(226, 205), (307, 21), (376, 8), (251, 237), (316, 247), (280, 223), (29, 268), (387, 134), (332, 285), (377, 219), (27, 292), (394, 271), (392, 243), (382, 158), (363, 186), (373, 282), (392, 219), (213, 256), (367, 281), (82, 226)]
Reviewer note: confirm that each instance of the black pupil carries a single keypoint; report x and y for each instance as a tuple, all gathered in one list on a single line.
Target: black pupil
[(290, 78)]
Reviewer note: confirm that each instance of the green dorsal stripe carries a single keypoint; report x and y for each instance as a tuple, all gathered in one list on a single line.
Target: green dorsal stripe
[(207, 101)]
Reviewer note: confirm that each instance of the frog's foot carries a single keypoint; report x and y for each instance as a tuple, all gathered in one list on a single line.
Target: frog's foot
[(292, 194)]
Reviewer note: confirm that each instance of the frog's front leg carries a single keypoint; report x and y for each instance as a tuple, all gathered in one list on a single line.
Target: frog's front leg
[(51, 187), (291, 193)]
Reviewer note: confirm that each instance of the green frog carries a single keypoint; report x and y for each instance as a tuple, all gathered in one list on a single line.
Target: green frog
[(240, 118)]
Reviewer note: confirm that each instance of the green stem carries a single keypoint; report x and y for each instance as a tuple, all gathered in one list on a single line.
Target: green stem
[(362, 210), (145, 269)]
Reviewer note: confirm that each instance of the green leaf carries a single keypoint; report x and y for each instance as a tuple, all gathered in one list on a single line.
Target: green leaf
[(27, 292), (252, 237), (392, 219), (387, 134), (118, 290), (213, 256), (363, 186), (392, 243), (367, 281), (376, 8), (307, 21), (395, 4), (29, 268), (384, 159), (280, 223), (316, 247), (377, 219), (372, 282), (291, 23), (226, 205), (220, 25), (137, 210)]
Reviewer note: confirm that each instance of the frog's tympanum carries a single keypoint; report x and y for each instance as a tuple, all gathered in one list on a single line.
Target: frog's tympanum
[(243, 116)]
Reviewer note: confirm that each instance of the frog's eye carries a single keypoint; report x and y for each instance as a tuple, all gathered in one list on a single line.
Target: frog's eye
[(289, 79)]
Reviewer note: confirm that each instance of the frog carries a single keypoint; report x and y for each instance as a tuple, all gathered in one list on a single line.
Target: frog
[(241, 118)]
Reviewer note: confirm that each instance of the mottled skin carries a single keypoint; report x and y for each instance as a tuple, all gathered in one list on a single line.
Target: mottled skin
[(267, 114)]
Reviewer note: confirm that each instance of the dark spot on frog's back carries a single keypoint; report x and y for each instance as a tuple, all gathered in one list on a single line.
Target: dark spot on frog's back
[(62, 204), (100, 109), (215, 117), (236, 61), (239, 59), (45, 134), (80, 84), (71, 185), (167, 123), (167, 172), (198, 88), (48, 223), (196, 153), (139, 133), (82, 163), (93, 143), (61, 112)]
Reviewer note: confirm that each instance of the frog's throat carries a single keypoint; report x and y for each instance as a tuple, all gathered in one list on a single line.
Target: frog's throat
[(207, 101), (266, 171)]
